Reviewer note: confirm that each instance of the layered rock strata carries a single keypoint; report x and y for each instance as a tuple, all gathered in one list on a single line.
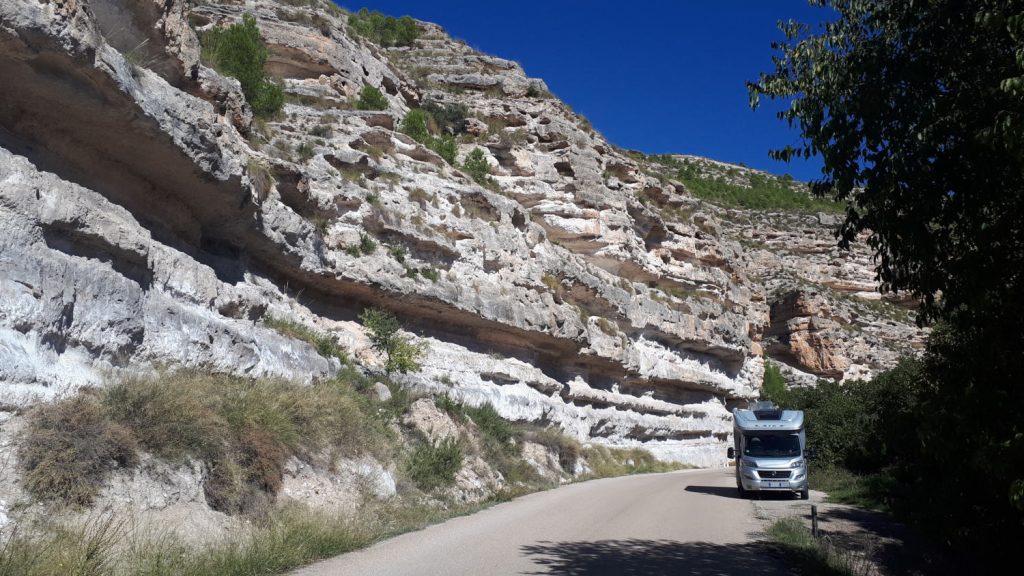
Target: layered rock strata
[(147, 220)]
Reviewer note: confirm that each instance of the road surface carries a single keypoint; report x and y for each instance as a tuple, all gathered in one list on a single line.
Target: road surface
[(687, 522)]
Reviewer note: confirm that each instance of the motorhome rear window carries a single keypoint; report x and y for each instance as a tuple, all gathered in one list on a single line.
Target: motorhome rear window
[(771, 445)]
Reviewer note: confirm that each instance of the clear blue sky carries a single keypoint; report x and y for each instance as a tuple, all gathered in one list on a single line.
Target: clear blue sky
[(656, 76)]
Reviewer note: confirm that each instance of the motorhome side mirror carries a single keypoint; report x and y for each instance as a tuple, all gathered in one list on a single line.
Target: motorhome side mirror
[(731, 453)]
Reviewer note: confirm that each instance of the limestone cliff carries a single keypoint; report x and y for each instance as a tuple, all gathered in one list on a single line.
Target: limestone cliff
[(147, 220)]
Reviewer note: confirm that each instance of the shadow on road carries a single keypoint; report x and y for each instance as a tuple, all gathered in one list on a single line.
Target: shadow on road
[(652, 558), (731, 492), (723, 491)]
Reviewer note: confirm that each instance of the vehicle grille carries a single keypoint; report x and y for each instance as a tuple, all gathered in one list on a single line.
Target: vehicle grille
[(773, 474)]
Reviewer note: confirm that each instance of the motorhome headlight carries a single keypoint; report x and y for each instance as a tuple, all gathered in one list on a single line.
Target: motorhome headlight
[(747, 463), (798, 463)]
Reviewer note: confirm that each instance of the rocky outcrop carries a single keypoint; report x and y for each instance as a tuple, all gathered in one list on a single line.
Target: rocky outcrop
[(146, 221), (801, 331)]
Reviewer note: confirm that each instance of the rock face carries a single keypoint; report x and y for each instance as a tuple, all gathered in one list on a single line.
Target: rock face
[(145, 220)]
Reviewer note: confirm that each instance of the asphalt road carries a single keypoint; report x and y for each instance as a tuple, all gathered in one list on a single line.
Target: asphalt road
[(688, 522)]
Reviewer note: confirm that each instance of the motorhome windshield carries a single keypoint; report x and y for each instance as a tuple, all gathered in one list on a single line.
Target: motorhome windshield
[(771, 445)]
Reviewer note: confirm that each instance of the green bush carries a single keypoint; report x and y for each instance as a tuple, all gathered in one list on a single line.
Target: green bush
[(761, 193), (491, 425), (477, 167), (366, 244), (435, 465), (450, 118), (774, 386), (416, 124), (371, 98), (384, 30), (402, 354), (445, 147), (864, 426), (239, 51)]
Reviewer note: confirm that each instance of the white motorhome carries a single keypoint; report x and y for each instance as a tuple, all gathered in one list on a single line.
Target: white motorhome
[(770, 449)]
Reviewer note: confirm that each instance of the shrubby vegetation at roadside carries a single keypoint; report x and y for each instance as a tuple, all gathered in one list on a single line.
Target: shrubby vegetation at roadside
[(238, 51), (434, 465), (810, 555), (242, 430), (936, 182)]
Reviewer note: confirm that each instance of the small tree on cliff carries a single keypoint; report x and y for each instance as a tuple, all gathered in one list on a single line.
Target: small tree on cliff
[(238, 51), (402, 354)]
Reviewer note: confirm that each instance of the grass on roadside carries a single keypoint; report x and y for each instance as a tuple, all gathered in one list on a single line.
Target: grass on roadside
[(502, 444), (242, 430), (433, 465), (810, 556), (288, 537), (845, 487), (607, 462)]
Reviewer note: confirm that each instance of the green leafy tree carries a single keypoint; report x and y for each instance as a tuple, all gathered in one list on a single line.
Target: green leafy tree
[(239, 51), (774, 386), (917, 111), (371, 98), (402, 354), (477, 167), (923, 136), (384, 30), (415, 125)]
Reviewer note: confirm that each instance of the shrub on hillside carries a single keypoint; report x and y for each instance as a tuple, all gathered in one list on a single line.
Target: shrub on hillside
[(477, 167), (242, 430), (68, 449), (239, 51), (384, 30), (326, 344), (761, 192), (435, 465), (417, 125), (402, 354), (445, 147), (371, 98), (450, 118)]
